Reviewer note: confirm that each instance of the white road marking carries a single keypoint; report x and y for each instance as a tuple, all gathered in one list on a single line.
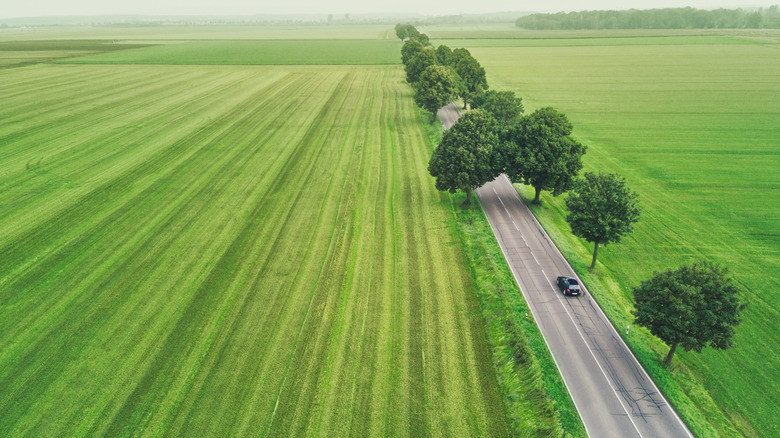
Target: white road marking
[(609, 382)]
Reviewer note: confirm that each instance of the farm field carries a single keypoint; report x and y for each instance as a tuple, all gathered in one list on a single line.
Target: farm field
[(254, 52), (230, 250), (695, 129)]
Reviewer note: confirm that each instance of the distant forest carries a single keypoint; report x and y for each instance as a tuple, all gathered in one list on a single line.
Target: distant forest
[(670, 18)]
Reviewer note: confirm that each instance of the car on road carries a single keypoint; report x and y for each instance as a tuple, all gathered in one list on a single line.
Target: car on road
[(569, 286)]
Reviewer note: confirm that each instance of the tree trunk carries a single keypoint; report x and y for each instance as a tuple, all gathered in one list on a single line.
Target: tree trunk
[(595, 252), (536, 198), (668, 359), (467, 202), (433, 118)]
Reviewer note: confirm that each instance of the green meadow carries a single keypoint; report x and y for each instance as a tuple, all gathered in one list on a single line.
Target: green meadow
[(254, 52), (694, 127), (230, 250)]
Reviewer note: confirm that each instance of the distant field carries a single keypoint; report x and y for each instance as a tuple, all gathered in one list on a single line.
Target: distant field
[(230, 251), (695, 129), (591, 42), (213, 32), (256, 52)]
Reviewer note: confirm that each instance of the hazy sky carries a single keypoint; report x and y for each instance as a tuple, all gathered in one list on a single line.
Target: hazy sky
[(27, 8)]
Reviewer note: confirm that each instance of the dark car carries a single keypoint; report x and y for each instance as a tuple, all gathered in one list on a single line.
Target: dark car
[(569, 286)]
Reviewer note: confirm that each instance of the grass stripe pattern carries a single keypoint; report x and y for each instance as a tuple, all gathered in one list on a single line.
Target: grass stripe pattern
[(221, 251)]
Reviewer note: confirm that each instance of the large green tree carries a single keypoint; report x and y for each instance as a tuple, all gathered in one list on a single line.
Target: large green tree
[(465, 159), (409, 50), (443, 54), (540, 151), (470, 71), (417, 65), (693, 306), (505, 107), (434, 89), (602, 209), (404, 31)]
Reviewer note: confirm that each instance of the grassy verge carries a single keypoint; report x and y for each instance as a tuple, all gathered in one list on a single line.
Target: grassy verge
[(534, 394), (679, 383)]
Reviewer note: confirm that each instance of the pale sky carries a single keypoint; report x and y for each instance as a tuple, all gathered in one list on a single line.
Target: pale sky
[(31, 8)]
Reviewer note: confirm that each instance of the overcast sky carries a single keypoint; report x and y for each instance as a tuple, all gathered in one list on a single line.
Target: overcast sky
[(31, 8)]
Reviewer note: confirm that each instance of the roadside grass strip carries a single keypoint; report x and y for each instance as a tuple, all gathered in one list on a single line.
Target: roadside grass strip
[(694, 129), (221, 251)]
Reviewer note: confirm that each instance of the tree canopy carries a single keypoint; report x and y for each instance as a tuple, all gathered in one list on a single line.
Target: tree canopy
[(417, 65), (667, 18), (409, 50), (443, 54), (602, 209), (541, 152), (465, 159), (693, 306), (434, 89), (470, 71), (505, 107), (404, 31)]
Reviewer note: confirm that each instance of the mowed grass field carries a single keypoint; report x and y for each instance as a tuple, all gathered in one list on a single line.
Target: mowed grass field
[(224, 250), (255, 52), (695, 129)]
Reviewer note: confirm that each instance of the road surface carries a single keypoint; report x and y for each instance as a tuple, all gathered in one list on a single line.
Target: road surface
[(612, 392)]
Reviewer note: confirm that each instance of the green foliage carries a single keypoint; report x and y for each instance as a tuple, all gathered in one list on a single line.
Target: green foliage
[(409, 50), (443, 54), (465, 159), (536, 399), (404, 31), (542, 153), (505, 107), (434, 89), (470, 71), (694, 306), (699, 154), (668, 18), (254, 52), (419, 63), (602, 209)]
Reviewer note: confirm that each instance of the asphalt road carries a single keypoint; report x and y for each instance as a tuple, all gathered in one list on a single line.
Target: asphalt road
[(612, 392)]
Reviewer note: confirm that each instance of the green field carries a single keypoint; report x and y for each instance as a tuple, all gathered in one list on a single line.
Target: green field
[(255, 52), (230, 251), (695, 129)]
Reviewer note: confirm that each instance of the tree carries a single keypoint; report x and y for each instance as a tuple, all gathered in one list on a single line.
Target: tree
[(434, 89), (541, 152), (692, 306), (422, 38), (422, 60), (443, 54), (602, 209), (465, 160), (470, 71), (409, 50), (505, 107), (404, 31)]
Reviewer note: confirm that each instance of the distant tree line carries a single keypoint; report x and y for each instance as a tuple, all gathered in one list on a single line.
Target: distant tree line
[(669, 18)]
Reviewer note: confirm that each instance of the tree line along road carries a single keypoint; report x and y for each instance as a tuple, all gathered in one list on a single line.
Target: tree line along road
[(612, 392)]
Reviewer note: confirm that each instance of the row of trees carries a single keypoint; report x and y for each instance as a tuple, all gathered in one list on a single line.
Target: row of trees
[(669, 18), (439, 75), (692, 306)]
